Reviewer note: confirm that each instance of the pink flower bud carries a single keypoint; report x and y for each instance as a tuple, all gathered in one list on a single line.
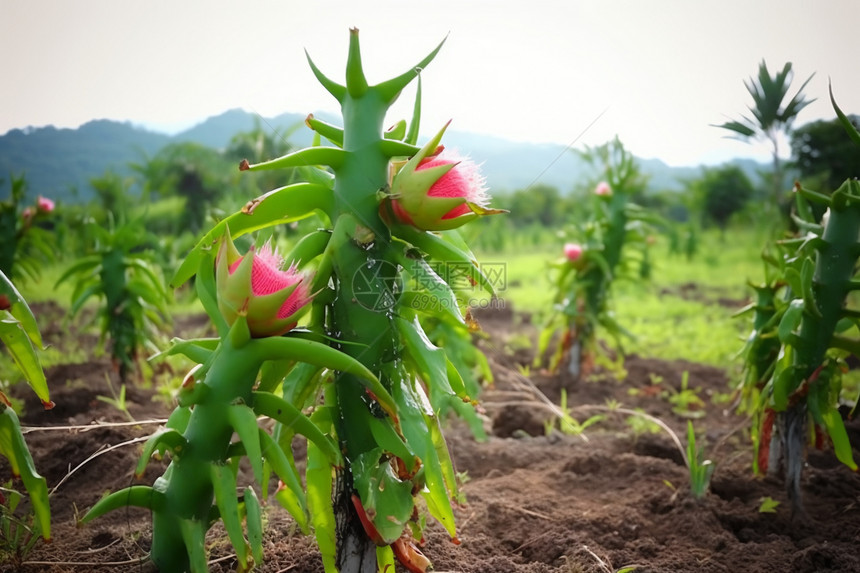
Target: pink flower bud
[(44, 204), (27, 214), (572, 251), (461, 183), (436, 191), (255, 285), (603, 189)]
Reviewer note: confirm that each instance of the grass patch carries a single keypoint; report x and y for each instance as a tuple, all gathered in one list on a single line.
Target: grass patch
[(683, 312)]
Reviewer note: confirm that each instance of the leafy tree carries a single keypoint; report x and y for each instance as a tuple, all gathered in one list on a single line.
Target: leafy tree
[(821, 152), (262, 144), (770, 115), (724, 191), (537, 204), (112, 191), (195, 172)]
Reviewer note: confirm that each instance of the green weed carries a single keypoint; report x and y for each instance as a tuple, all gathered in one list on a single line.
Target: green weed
[(567, 423), (700, 468), (685, 402)]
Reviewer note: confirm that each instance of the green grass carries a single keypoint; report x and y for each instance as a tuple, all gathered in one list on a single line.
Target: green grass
[(683, 312), (43, 289), (668, 319)]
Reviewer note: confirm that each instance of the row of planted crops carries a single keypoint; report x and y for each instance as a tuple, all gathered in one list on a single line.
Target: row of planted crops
[(358, 339)]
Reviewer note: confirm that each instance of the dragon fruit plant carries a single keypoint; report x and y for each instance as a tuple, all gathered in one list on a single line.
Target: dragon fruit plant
[(21, 337), (598, 253), (22, 237), (131, 291), (762, 346), (469, 361), (358, 380), (801, 391)]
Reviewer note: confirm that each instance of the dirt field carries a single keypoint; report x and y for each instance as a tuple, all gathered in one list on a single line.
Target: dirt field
[(537, 503)]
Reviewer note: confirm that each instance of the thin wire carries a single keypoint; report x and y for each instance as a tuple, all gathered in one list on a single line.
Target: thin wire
[(91, 426), (567, 148), (280, 135), (100, 451)]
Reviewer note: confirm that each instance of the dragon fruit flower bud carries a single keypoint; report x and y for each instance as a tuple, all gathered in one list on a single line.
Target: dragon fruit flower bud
[(603, 189), (573, 252), (257, 286), (436, 191), (44, 205)]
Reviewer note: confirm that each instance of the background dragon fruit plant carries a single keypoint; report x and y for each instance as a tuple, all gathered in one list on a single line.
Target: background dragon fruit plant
[(130, 289), (362, 365), (24, 244), (598, 254)]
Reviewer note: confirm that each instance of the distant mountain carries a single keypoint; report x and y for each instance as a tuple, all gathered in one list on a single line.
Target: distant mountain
[(216, 132), (510, 165), (56, 161)]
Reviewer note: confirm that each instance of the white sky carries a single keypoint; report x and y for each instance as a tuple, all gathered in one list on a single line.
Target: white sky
[(533, 70)]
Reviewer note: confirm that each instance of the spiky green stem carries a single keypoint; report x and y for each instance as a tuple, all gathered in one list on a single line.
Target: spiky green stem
[(596, 278), (360, 259), (365, 270), (831, 283), (120, 322), (187, 484)]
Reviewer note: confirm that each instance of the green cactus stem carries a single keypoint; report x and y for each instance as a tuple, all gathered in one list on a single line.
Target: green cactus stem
[(811, 324), (802, 386), (399, 449), (364, 508), (20, 335), (363, 259), (199, 486)]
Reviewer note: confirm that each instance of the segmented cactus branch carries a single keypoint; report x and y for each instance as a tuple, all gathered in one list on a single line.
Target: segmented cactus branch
[(362, 365), (818, 269)]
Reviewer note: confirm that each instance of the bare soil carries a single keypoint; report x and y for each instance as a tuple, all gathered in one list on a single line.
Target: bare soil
[(537, 503)]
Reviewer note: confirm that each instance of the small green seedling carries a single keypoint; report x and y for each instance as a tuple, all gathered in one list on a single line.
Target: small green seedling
[(641, 425), (686, 401), (566, 423), (118, 401), (700, 469), (17, 537), (768, 505)]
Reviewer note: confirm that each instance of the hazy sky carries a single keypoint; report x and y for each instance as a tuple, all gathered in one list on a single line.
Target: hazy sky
[(534, 70)]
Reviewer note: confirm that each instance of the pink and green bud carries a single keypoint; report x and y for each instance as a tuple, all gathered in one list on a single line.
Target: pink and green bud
[(603, 189), (256, 285), (573, 252), (44, 205), (435, 192)]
